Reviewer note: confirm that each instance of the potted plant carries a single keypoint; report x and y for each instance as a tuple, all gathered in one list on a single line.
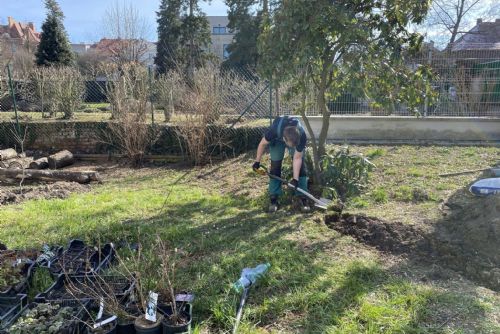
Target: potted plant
[(177, 313)]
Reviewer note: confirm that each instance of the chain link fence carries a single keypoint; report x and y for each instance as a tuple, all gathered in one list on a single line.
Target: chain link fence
[(466, 83)]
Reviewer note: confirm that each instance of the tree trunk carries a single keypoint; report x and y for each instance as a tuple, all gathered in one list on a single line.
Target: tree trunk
[(325, 124), (277, 104), (460, 15), (5, 163), (48, 175), (42, 163), (21, 163), (317, 169), (61, 159), (8, 153)]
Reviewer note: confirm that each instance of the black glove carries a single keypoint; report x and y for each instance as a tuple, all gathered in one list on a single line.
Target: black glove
[(295, 183), (256, 165)]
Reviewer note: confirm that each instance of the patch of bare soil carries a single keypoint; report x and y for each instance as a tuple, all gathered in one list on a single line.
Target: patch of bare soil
[(392, 237), (12, 195), (466, 239)]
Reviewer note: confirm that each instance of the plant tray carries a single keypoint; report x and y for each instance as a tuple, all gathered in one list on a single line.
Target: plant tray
[(79, 258), (10, 308), (22, 270), (73, 326), (85, 287)]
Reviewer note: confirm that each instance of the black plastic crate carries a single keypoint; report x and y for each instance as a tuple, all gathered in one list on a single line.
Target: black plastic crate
[(79, 258), (71, 287), (25, 269), (10, 308), (75, 326)]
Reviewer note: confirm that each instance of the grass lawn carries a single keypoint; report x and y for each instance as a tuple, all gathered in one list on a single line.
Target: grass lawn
[(319, 281), (93, 114)]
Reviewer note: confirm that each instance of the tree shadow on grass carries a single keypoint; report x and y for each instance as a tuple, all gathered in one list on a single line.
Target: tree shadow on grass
[(220, 236)]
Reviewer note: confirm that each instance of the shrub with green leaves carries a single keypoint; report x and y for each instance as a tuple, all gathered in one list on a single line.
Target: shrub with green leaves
[(344, 174)]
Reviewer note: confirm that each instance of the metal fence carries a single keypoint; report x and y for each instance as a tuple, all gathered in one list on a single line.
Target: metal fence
[(465, 83)]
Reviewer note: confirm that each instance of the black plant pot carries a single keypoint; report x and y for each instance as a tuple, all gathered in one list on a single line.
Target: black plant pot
[(126, 328), (154, 329), (176, 329), (184, 310), (111, 330)]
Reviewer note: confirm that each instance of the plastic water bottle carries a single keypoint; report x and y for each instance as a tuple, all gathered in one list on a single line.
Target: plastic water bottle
[(249, 276)]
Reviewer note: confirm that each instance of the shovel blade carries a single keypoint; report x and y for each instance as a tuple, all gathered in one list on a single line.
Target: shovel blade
[(324, 203)]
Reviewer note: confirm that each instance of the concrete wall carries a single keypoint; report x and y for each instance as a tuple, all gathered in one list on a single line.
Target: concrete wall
[(389, 129)]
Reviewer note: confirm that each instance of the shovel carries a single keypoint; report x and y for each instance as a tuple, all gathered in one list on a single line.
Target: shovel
[(321, 203)]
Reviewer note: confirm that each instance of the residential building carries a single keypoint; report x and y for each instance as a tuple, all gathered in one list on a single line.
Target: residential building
[(16, 34), (80, 48), (482, 41), (221, 36), (124, 50)]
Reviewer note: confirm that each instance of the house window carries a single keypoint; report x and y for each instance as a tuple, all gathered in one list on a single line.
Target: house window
[(219, 30), (225, 53)]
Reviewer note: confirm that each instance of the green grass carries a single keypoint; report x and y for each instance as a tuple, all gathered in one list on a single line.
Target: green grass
[(379, 195), (319, 282), (410, 176), (91, 113)]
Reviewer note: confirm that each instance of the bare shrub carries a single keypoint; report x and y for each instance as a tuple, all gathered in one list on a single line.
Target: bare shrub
[(202, 106), (54, 89), (128, 90), (168, 91), (69, 91), (39, 88), (473, 91)]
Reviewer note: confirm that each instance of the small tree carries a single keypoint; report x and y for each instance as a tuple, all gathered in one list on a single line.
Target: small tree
[(453, 18), (54, 48), (129, 30), (322, 46)]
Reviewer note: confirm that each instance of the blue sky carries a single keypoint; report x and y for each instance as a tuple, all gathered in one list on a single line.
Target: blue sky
[(83, 20)]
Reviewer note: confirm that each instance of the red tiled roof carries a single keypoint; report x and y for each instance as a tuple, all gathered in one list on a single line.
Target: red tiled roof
[(18, 30)]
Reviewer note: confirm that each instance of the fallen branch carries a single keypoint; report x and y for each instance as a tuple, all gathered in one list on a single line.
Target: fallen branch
[(48, 175), (465, 172)]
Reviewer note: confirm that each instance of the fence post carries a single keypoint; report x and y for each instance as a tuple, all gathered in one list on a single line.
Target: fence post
[(426, 101), (13, 94), (270, 103), (150, 96)]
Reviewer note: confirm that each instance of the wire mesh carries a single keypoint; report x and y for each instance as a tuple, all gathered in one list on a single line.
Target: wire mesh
[(466, 83)]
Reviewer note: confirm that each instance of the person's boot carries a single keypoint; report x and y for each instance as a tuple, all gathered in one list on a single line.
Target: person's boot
[(303, 205), (273, 205)]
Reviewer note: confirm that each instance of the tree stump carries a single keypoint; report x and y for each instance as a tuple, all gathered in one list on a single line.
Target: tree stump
[(8, 153), (42, 163), (21, 163), (61, 159)]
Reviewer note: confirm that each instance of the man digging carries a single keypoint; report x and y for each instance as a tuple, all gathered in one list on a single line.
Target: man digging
[(285, 132)]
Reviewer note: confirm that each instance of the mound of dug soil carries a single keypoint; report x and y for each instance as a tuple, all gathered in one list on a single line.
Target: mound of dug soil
[(466, 239), (13, 195)]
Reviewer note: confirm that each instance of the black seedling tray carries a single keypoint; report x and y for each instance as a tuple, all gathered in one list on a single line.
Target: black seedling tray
[(71, 287), (10, 308), (25, 269), (75, 326), (79, 258)]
